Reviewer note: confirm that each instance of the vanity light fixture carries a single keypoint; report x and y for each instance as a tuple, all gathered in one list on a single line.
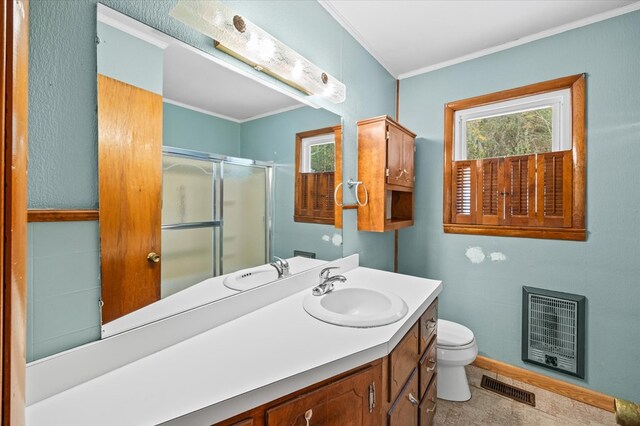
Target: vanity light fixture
[(242, 39)]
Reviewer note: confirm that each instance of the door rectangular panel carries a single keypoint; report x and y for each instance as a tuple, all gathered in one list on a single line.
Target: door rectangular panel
[(187, 258), (244, 216), (187, 190)]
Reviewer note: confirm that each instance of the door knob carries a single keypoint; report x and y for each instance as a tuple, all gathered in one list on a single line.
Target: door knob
[(153, 257)]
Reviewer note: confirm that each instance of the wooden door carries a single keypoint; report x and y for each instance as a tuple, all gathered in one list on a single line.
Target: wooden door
[(404, 411), (14, 70), (408, 144), (394, 156), (343, 403), (130, 180)]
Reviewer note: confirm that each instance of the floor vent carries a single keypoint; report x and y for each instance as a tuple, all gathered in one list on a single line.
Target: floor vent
[(509, 391)]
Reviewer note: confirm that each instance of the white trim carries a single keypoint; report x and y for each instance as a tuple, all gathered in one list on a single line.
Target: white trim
[(129, 25), (307, 143), (528, 39), (200, 110), (559, 101), (277, 111), (344, 23), (224, 117)]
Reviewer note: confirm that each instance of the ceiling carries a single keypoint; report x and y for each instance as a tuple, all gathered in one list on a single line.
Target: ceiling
[(411, 37), (199, 81)]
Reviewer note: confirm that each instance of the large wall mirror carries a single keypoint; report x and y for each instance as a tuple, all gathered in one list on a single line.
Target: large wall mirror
[(199, 177)]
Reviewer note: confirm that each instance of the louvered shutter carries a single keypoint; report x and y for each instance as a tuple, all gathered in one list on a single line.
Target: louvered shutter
[(463, 182), (520, 181), (316, 195), (555, 186), (490, 208)]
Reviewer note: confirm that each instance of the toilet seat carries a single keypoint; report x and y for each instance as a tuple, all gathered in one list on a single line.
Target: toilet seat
[(454, 336), (456, 348)]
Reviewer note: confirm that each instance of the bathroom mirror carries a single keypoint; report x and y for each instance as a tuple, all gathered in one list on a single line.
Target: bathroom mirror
[(203, 157)]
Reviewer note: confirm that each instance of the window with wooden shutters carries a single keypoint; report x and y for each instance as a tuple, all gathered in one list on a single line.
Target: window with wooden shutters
[(315, 180), (515, 162)]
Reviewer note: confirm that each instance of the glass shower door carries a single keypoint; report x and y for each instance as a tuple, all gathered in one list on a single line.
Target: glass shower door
[(246, 222), (190, 228)]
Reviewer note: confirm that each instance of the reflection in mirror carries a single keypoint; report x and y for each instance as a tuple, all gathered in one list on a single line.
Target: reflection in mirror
[(197, 173)]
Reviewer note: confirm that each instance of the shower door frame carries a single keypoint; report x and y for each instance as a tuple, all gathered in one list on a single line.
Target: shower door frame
[(221, 160)]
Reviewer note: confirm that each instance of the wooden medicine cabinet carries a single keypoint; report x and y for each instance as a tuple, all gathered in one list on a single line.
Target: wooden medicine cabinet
[(386, 168)]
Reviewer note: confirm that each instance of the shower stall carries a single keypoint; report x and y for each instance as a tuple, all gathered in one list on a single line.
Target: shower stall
[(216, 216)]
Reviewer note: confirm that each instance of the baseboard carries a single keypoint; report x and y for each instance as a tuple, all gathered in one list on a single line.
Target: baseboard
[(587, 396)]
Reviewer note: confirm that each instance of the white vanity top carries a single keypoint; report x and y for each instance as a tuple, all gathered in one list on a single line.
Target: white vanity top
[(238, 365)]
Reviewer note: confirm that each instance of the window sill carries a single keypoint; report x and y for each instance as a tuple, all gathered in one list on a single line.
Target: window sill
[(571, 234), (319, 220)]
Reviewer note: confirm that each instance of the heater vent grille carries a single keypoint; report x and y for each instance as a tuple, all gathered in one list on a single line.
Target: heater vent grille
[(553, 324), (509, 391)]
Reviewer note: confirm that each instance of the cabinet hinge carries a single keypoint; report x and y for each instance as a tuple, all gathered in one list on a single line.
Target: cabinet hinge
[(372, 396), (388, 135), (386, 172), (415, 148)]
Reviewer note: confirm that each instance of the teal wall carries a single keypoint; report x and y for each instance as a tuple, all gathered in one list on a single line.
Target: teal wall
[(487, 296), (273, 138), (189, 129), (63, 125), (129, 59)]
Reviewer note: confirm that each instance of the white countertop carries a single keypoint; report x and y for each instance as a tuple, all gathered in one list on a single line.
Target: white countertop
[(238, 365)]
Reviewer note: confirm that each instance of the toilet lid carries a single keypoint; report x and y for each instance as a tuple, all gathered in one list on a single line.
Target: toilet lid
[(453, 334)]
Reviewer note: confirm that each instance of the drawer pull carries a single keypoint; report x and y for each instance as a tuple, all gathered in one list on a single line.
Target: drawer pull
[(412, 399), (307, 416), (431, 410)]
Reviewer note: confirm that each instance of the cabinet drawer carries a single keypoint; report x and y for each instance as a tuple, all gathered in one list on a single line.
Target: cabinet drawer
[(350, 401), (428, 325), (428, 404), (404, 411), (428, 364), (402, 361)]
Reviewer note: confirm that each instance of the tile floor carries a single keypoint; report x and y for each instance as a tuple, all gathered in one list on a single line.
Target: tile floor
[(488, 408)]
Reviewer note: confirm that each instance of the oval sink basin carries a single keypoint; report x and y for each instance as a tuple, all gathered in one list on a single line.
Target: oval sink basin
[(247, 279), (356, 307)]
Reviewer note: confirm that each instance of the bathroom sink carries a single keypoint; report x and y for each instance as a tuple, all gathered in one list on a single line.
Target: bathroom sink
[(356, 307), (247, 279)]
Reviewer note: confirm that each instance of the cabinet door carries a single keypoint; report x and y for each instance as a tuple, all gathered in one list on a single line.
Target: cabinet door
[(394, 156), (352, 401), (428, 404), (408, 143), (404, 411)]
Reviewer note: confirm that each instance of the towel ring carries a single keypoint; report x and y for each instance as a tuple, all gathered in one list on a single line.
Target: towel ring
[(335, 195)]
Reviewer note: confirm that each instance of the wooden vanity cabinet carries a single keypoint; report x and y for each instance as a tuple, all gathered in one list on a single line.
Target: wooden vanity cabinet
[(397, 390), (412, 373), (386, 167), (347, 402)]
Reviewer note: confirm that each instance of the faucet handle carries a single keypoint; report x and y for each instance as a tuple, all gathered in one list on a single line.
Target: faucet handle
[(324, 274), (282, 261)]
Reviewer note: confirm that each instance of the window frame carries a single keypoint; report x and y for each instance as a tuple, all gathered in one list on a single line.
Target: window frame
[(576, 231), (558, 100), (299, 214)]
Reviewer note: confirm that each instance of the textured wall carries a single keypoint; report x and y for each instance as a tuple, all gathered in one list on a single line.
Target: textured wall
[(188, 129), (63, 119), (129, 59), (487, 296), (273, 139)]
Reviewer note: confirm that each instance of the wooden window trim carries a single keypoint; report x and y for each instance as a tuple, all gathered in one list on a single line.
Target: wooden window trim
[(298, 216), (576, 231)]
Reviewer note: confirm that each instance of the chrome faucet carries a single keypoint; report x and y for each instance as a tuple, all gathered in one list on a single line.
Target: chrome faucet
[(281, 265), (326, 282)]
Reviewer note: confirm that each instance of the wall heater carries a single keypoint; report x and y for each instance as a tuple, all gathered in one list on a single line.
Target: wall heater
[(553, 330)]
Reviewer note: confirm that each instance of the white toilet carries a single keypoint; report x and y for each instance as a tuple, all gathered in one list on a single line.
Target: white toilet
[(456, 348)]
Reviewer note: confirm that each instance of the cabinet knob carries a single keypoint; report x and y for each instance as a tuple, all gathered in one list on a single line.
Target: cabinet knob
[(153, 257), (412, 399)]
